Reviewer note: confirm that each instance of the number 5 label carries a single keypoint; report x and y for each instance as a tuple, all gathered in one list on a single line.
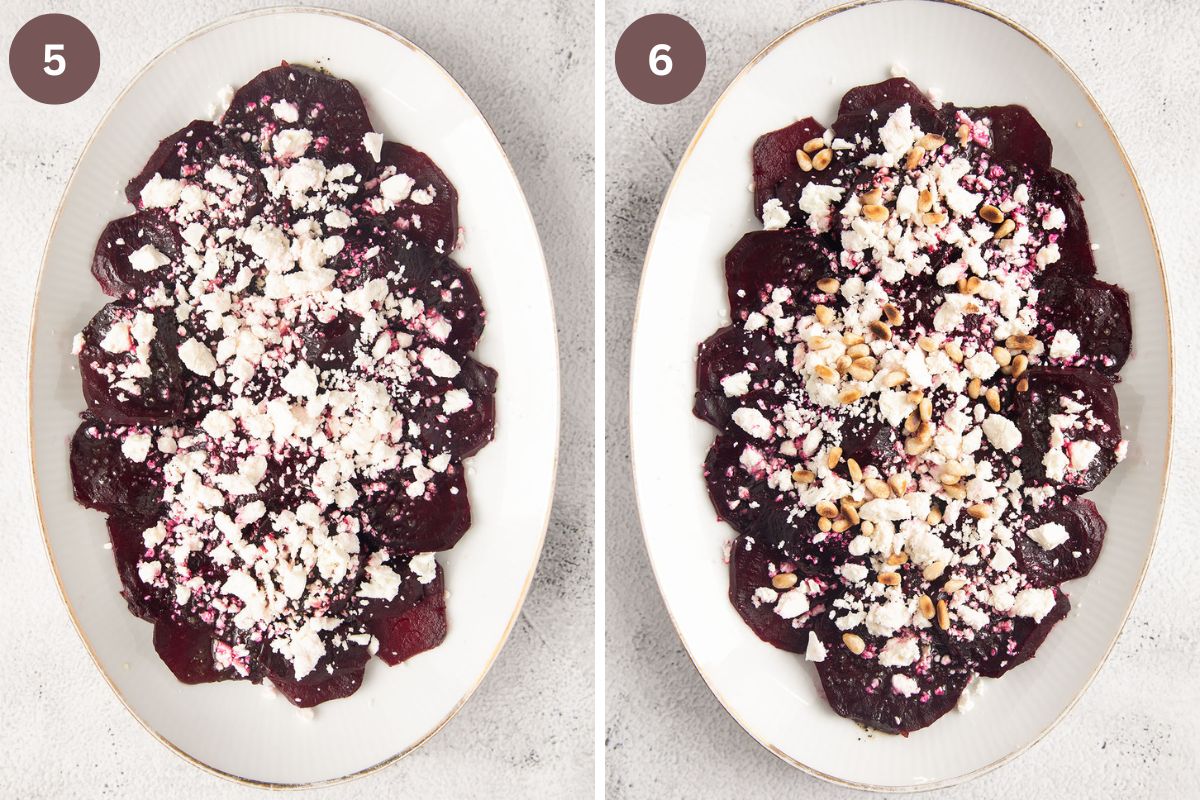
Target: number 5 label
[(55, 63), (54, 59)]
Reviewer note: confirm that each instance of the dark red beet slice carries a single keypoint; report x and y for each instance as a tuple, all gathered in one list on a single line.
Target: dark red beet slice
[(727, 352), (433, 224), (461, 433), (763, 261), (149, 602), (188, 652), (1097, 313), (435, 520), (1075, 245), (418, 629), (198, 139), (753, 561), (330, 345), (739, 498), (160, 396), (885, 97), (872, 442), (446, 290), (1016, 135), (865, 109), (1034, 407), (106, 480), (1072, 559), (1009, 642), (410, 593), (124, 236), (338, 674), (860, 688), (774, 159), (332, 109)]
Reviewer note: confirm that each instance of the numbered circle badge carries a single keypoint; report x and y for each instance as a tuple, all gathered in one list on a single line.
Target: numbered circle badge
[(54, 59), (660, 59)]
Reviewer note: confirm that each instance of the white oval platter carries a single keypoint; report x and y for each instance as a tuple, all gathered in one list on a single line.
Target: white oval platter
[(975, 58), (236, 729)]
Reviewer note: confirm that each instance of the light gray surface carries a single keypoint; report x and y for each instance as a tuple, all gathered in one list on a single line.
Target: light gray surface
[(1134, 733), (528, 730)]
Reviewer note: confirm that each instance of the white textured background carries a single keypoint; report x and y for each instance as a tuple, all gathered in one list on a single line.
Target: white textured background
[(1136, 733), (528, 730)]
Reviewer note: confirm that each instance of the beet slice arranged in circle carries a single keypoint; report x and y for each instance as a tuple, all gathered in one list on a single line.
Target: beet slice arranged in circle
[(753, 561), (422, 627), (1008, 642), (860, 688), (1095, 312), (1037, 410), (104, 479), (121, 238), (763, 261), (331, 108), (199, 139), (1072, 559), (188, 652), (774, 161), (147, 601), (434, 520), (429, 215), (338, 674), (120, 386), (727, 353)]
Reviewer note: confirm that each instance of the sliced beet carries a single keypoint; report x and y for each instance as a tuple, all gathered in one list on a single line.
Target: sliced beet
[(866, 109), (104, 479), (332, 344), (198, 139), (739, 497), (860, 688), (1076, 258), (121, 238), (1072, 559), (433, 224), (872, 443), (1008, 642), (330, 108), (1015, 134), (763, 261), (729, 351), (1032, 412), (153, 393), (188, 652), (1097, 313), (774, 160), (753, 561), (446, 291), (409, 593), (145, 600), (435, 520), (464, 432), (418, 629), (338, 674), (884, 98)]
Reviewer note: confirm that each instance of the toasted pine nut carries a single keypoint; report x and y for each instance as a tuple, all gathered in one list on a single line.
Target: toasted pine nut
[(814, 144), (943, 615), (803, 161), (854, 643), (784, 580), (821, 160), (827, 509), (991, 214), (829, 285), (833, 457), (1006, 227)]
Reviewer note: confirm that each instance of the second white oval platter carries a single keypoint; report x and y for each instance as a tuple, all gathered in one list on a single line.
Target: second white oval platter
[(236, 729), (974, 58)]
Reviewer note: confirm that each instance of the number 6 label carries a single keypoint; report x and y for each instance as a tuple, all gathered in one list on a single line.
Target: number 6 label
[(54, 59), (660, 62), (660, 59)]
